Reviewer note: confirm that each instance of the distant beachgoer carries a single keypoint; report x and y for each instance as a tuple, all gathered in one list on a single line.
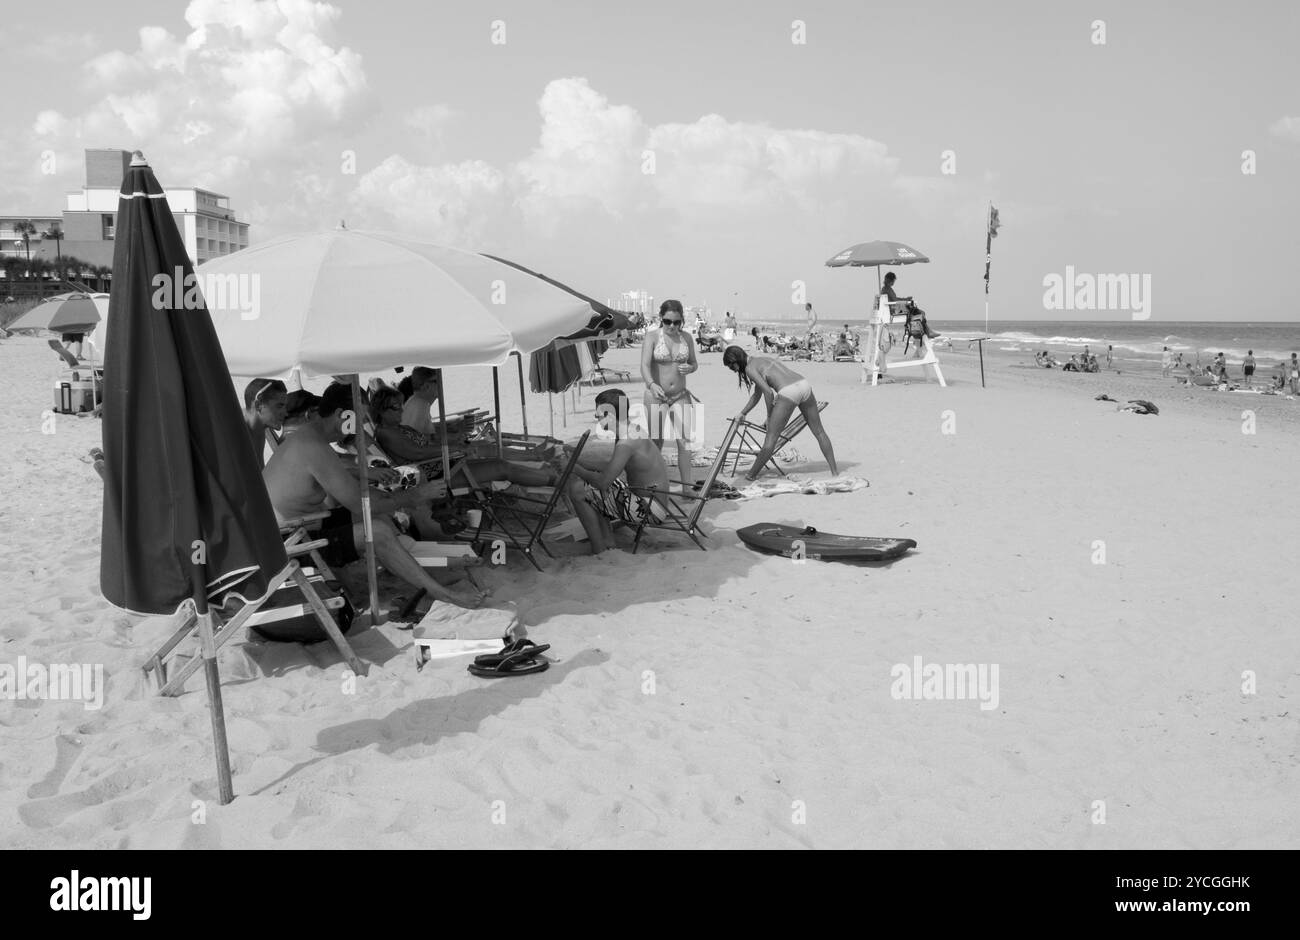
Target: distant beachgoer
[(1248, 366), (1166, 362), (812, 320), (73, 342), (1293, 374), (1221, 367), (1072, 365), (1110, 355), (729, 329), (783, 390)]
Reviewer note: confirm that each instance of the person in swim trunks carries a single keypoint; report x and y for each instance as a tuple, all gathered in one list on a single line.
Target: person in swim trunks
[(783, 390), (599, 494), (667, 357), (305, 472)]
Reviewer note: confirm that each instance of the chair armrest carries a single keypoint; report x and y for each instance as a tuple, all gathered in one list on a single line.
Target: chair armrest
[(303, 521)]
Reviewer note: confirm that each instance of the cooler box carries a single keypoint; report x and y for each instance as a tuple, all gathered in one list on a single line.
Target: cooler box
[(76, 391)]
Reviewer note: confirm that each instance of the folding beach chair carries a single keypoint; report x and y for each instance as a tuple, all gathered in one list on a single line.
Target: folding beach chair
[(173, 683), (749, 440), (682, 510), (521, 520)]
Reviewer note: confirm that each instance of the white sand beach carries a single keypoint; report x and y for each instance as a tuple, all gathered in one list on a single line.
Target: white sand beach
[(727, 698)]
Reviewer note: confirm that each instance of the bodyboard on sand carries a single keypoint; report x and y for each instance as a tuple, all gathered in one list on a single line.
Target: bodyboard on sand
[(782, 539)]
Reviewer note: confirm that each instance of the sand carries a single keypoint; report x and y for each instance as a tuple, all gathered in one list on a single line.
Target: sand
[(730, 699)]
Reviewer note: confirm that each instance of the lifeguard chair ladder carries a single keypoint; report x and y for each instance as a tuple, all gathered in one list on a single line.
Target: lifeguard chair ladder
[(880, 319)]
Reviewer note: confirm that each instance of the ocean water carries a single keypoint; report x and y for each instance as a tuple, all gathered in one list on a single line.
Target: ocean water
[(1133, 340)]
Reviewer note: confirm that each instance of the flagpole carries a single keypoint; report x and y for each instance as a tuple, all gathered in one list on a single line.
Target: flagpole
[(988, 260)]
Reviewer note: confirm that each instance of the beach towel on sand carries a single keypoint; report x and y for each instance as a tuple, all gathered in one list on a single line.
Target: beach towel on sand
[(803, 485), (448, 622)]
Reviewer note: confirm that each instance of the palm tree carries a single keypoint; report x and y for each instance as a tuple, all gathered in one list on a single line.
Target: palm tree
[(55, 232), (25, 230), (38, 269)]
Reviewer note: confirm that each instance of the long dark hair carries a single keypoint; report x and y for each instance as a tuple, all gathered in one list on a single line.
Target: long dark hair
[(671, 305), (735, 359)]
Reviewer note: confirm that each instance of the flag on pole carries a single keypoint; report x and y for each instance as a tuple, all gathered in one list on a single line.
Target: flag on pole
[(988, 244)]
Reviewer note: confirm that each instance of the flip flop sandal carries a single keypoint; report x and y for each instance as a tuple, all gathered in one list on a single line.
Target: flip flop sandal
[(517, 664), (512, 649)]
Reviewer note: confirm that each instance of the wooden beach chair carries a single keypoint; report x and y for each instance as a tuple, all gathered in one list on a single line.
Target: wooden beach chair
[(683, 510), (521, 520), (750, 437), (161, 664)]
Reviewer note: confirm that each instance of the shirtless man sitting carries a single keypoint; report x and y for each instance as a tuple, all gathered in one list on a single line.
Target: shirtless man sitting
[(305, 470), (599, 495)]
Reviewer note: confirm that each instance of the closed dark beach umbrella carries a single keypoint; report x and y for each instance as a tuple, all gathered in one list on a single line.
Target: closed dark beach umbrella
[(181, 482), (186, 514)]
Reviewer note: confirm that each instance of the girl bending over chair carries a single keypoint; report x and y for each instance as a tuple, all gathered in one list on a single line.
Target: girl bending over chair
[(783, 390)]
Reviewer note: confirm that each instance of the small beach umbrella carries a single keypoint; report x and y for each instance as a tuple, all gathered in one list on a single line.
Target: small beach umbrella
[(876, 254), (185, 511), (65, 313)]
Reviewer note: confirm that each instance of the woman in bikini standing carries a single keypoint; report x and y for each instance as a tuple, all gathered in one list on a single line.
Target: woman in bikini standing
[(667, 357), (784, 390)]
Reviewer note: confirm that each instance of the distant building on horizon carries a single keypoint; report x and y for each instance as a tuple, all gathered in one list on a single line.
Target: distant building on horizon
[(206, 222), (634, 301)]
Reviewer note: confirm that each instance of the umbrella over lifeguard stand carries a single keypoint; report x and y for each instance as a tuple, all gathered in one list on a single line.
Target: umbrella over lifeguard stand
[(875, 255)]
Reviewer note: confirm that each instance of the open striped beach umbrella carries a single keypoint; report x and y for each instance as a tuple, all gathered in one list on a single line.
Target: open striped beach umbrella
[(73, 312)]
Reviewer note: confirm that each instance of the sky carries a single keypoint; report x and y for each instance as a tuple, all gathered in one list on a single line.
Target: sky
[(719, 153)]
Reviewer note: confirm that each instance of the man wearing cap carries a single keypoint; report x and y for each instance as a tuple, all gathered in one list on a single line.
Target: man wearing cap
[(305, 473)]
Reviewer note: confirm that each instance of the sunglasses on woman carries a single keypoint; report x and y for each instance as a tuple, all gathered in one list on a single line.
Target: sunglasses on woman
[(672, 322)]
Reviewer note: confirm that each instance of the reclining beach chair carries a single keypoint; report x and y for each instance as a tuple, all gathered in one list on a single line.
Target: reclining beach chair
[(750, 437), (521, 520), (683, 510)]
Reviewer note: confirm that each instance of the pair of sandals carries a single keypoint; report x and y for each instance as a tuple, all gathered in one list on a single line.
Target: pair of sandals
[(519, 657)]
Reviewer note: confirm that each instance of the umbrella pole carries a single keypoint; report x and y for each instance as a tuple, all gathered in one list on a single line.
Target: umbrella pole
[(496, 401), (212, 676), (550, 407), (523, 405), (363, 480), (442, 427)]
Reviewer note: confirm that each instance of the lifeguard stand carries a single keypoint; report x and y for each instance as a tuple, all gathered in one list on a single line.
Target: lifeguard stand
[(881, 318)]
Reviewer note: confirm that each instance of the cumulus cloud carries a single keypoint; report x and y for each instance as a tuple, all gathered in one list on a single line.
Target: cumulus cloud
[(249, 83), (599, 161)]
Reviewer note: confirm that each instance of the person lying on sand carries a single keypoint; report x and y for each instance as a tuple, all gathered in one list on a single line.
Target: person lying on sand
[(783, 390), (305, 472), (600, 496)]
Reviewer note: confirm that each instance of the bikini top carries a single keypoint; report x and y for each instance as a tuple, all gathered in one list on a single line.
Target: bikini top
[(663, 354)]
